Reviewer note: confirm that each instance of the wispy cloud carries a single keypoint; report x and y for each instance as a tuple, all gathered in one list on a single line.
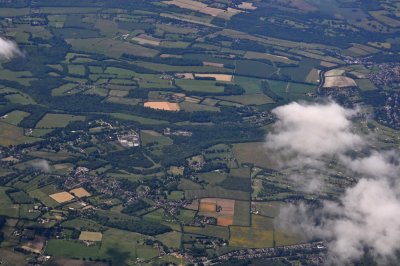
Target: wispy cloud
[(306, 136), (41, 165), (9, 49), (366, 216)]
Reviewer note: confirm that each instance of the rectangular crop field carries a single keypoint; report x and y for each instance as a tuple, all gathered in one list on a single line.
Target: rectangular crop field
[(90, 236), (61, 197), (58, 120), (250, 237)]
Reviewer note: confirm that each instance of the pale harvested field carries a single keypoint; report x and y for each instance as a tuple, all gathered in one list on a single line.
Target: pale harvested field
[(205, 63), (386, 45), (144, 39), (180, 95), (9, 159), (247, 6), (176, 171), (218, 77), (61, 197), (327, 64), (339, 82), (90, 236), (230, 12), (151, 133), (191, 100), (35, 246), (185, 75), (271, 57), (313, 76), (118, 93), (170, 56), (334, 72), (197, 6), (166, 106), (80, 192), (63, 166)]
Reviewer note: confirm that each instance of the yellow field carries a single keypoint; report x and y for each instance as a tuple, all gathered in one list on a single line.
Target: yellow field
[(175, 170), (90, 236), (166, 106), (250, 237), (61, 197), (218, 77), (80, 192), (288, 238)]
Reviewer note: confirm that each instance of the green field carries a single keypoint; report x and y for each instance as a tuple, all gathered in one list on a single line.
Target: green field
[(78, 70), (119, 246), (7, 208), (205, 86), (141, 120), (249, 99), (208, 230), (20, 98), (213, 192), (15, 117), (242, 213), (253, 153), (58, 120), (65, 89), (13, 135), (171, 239)]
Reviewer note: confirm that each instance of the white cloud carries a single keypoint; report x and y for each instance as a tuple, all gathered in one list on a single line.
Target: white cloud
[(41, 165), (306, 136), (313, 130), (9, 49), (377, 164), (367, 215)]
